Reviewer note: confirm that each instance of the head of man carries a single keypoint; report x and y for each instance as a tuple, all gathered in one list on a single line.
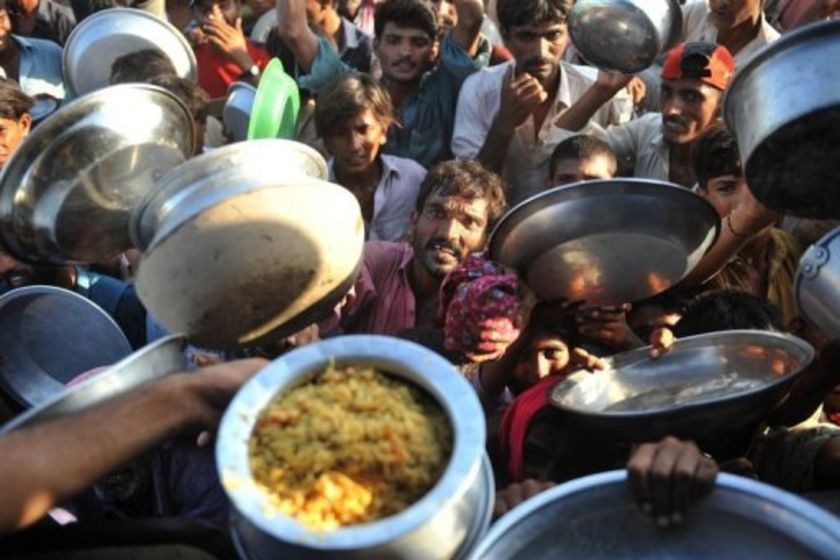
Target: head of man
[(581, 158), (317, 11), (457, 205), (727, 14), (15, 120), (203, 10), (694, 77), (717, 165), (536, 33), (352, 115), (141, 66), (445, 13), (195, 98), (405, 39), (5, 24)]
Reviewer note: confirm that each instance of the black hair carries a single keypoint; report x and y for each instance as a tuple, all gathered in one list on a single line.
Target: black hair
[(190, 93), (464, 178), (723, 310), (141, 66), (715, 154), (14, 103), (513, 13), (581, 147), (413, 14)]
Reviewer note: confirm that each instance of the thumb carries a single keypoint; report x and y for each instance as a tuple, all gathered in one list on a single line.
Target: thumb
[(239, 24), (509, 76)]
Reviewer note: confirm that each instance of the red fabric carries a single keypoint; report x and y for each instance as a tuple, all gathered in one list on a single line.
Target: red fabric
[(216, 73), (707, 62), (516, 421)]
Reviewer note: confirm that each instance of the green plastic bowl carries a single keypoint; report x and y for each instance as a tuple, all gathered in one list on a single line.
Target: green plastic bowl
[(276, 105)]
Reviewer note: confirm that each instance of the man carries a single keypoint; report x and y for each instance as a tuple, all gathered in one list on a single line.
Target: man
[(423, 92), (738, 25), (34, 63), (353, 115), (581, 158), (658, 145), (224, 55), (399, 283), (43, 19), (506, 114)]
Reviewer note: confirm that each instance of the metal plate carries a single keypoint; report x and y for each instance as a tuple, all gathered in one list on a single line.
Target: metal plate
[(104, 36), (706, 382), (263, 26), (68, 191), (817, 285), (160, 358), (595, 517), (236, 113), (606, 242), (50, 335)]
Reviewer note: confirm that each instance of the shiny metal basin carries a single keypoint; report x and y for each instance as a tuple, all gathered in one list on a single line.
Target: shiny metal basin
[(606, 242), (706, 384), (817, 286), (69, 190), (236, 114), (595, 517), (624, 35)]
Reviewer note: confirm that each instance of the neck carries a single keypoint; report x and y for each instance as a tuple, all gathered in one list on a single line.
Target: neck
[(423, 284), (366, 179), (735, 38), (331, 25), (9, 57), (400, 91)]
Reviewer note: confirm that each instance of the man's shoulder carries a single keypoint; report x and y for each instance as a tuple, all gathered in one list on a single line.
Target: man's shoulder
[(403, 165), (41, 45), (486, 80)]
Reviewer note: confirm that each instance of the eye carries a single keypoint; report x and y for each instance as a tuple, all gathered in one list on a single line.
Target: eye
[(692, 97), (554, 36), (392, 40), (552, 353), (420, 42)]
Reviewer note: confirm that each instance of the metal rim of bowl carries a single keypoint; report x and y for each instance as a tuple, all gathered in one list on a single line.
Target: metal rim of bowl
[(790, 342), (803, 275), (802, 510), (799, 35), (439, 379), (94, 18), (32, 416)]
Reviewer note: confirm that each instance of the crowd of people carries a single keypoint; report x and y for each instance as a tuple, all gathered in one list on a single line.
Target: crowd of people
[(439, 116)]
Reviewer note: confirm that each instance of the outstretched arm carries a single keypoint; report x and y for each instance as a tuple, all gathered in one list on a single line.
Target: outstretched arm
[(466, 32), (294, 30)]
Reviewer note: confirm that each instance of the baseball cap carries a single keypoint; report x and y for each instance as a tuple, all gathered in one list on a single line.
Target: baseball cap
[(710, 63)]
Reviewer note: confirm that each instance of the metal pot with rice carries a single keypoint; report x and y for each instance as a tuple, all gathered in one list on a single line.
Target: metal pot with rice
[(417, 485)]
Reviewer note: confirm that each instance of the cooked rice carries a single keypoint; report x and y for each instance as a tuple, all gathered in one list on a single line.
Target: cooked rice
[(352, 446)]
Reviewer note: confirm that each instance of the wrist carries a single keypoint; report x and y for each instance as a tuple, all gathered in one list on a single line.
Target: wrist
[(242, 59)]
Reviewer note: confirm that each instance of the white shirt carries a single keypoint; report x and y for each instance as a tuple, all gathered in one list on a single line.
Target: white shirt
[(697, 27), (394, 199), (525, 170)]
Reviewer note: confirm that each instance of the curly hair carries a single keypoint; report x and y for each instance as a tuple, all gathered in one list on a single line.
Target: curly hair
[(465, 179)]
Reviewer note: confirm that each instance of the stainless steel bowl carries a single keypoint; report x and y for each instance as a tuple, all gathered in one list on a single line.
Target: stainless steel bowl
[(596, 517), (624, 35), (710, 383), (606, 242), (790, 140), (48, 336), (236, 114), (160, 358), (109, 34), (817, 285), (436, 526), (69, 190)]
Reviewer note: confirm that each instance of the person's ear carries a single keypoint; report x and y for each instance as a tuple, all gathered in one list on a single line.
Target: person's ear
[(25, 122), (434, 51)]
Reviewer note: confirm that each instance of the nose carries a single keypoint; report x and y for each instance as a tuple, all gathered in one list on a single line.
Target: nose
[(542, 366), (358, 141), (405, 48), (545, 48), (448, 228), (672, 107)]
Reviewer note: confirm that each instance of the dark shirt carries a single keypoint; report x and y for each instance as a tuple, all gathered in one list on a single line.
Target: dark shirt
[(55, 21)]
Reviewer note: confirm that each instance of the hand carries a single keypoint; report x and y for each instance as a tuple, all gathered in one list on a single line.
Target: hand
[(521, 95), (587, 361), (607, 325), (637, 89), (750, 216), (667, 477), (229, 39), (209, 390), (613, 81), (516, 493), (494, 338), (661, 341)]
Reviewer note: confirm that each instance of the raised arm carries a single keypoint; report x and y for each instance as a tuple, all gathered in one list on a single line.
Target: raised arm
[(294, 30), (602, 91), (467, 31)]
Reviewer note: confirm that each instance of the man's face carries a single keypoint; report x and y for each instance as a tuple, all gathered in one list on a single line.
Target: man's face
[(12, 133), (448, 229), (725, 193), (5, 30), (574, 170), (688, 106), (203, 10), (404, 52), (316, 11), (355, 146), (537, 48), (726, 14), (446, 14), (546, 354)]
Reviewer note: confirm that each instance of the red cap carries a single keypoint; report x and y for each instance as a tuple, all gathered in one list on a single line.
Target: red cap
[(710, 63)]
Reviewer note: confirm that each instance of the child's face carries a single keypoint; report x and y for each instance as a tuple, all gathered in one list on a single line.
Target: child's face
[(546, 354), (725, 193)]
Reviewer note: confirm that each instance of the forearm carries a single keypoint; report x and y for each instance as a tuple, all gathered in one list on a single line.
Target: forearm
[(294, 30), (581, 112), (46, 464), (466, 32), (726, 247), (495, 148)]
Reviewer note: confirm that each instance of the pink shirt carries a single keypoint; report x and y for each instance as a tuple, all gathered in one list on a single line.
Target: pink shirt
[(381, 301)]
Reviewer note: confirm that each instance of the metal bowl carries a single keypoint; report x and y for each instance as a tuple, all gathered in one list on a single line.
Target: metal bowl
[(262, 28), (50, 335), (707, 384), (606, 242), (596, 517), (817, 286), (624, 35), (109, 34), (237, 110), (160, 358), (435, 527), (68, 191), (790, 140)]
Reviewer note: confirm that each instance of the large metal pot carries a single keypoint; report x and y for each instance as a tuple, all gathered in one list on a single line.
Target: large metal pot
[(69, 190), (817, 285), (624, 35), (784, 108), (244, 246), (442, 524), (597, 517)]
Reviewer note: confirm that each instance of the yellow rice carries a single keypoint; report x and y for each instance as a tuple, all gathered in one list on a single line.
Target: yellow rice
[(352, 446)]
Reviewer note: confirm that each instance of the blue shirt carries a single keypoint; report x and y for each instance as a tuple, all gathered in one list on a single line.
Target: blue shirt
[(40, 67), (428, 116)]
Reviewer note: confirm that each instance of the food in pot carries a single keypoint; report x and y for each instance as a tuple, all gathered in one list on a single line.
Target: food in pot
[(351, 446)]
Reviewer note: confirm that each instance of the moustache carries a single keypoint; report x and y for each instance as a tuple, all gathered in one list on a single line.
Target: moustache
[(404, 60), (444, 244), (535, 62)]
